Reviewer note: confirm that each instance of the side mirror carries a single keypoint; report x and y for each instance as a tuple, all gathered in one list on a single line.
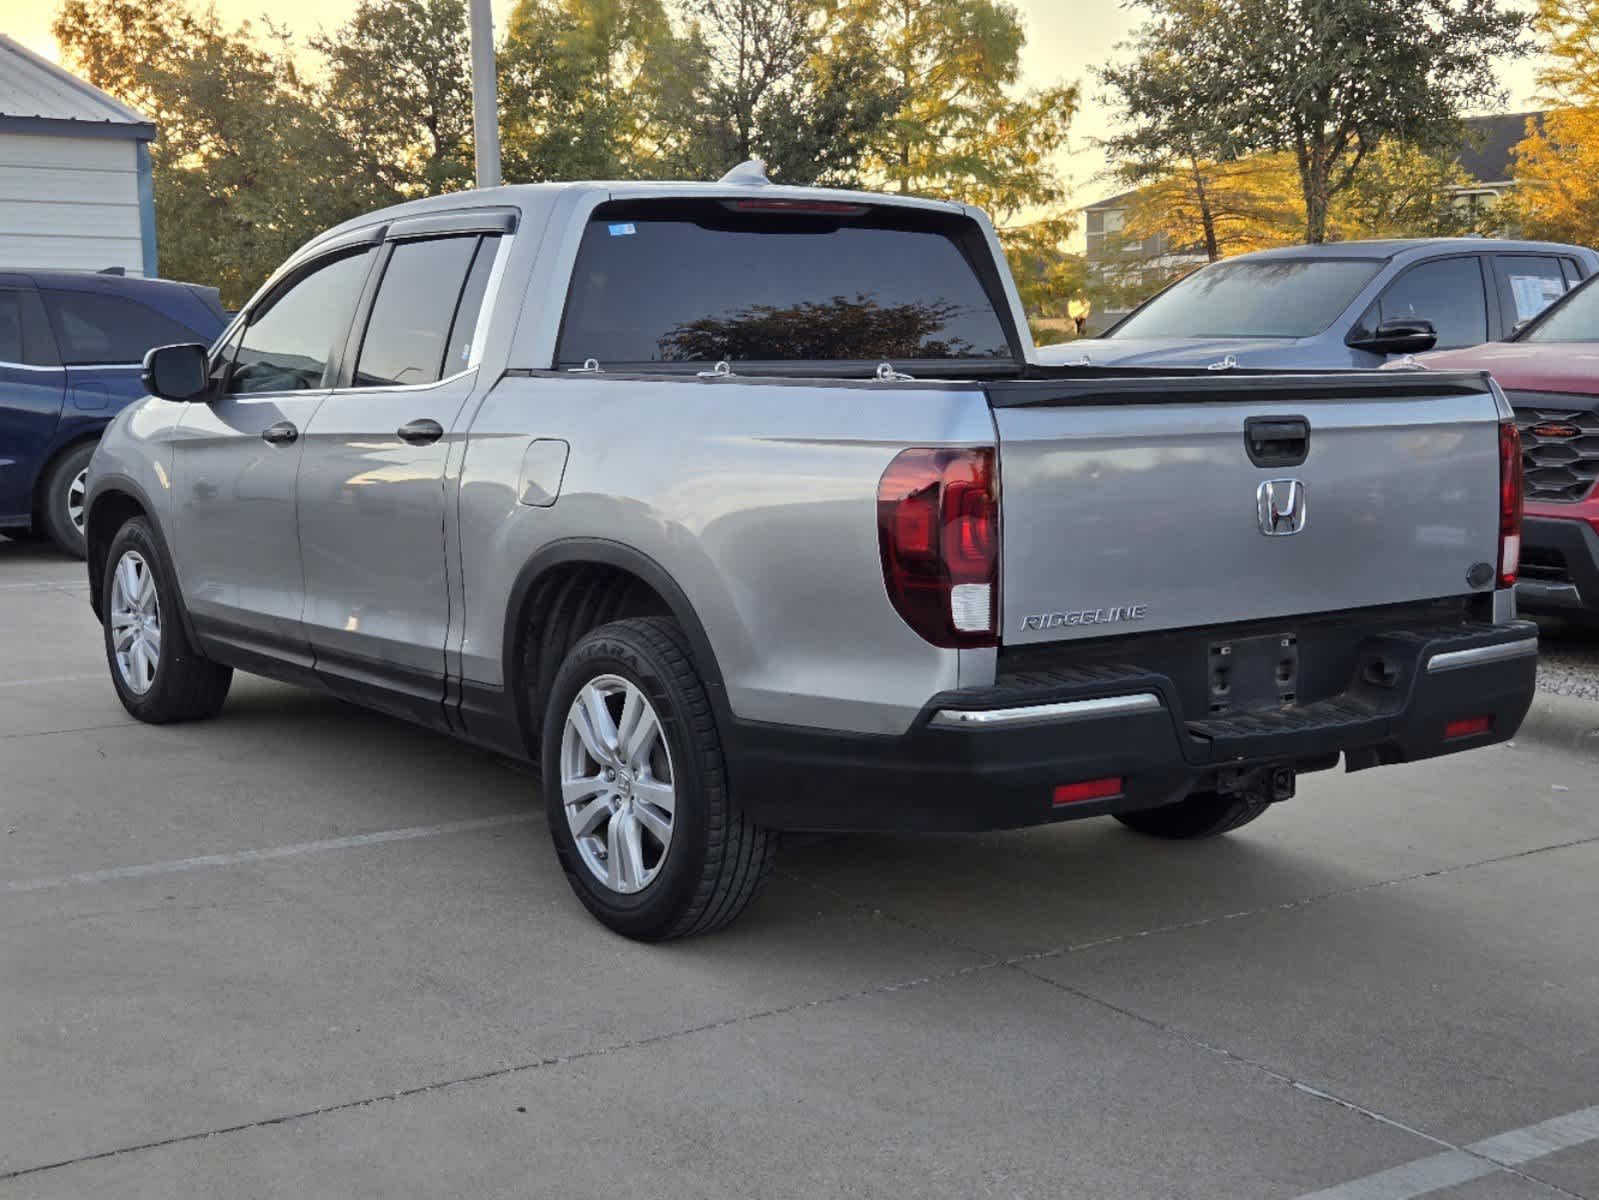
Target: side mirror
[(177, 372), (1397, 335)]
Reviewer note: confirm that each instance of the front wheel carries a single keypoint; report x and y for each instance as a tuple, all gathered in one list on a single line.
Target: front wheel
[(158, 675), (636, 788), (1200, 815)]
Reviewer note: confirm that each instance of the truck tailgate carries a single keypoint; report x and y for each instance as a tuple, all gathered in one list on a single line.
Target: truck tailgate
[(1138, 504)]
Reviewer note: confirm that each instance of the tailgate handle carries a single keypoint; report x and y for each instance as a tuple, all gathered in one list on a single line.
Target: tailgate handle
[(1277, 441)]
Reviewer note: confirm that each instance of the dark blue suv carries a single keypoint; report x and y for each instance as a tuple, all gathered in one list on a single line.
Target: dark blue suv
[(71, 347)]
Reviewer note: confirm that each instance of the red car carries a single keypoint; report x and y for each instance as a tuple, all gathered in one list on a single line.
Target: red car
[(1550, 371)]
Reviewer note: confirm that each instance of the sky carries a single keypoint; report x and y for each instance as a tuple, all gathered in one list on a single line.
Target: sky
[(1066, 40)]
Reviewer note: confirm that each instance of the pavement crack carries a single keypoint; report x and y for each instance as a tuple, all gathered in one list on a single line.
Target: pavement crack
[(1301, 901), (539, 1064), (1282, 1077)]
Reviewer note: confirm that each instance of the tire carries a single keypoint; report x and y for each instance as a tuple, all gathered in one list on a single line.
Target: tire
[(61, 502), (1200, 815), (714, 859), (180, 685)]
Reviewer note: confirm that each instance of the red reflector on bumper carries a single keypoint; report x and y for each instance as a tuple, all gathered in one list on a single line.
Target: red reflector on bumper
[(1089, 789), (1467, 727)]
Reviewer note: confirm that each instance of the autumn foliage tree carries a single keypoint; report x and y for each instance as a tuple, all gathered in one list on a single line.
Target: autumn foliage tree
[(263, 142), (1557, 164), (1324, 81)]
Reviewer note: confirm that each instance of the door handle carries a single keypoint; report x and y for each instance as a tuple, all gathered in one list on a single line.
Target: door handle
[(423, 432), (281, 434), (1277, 441)]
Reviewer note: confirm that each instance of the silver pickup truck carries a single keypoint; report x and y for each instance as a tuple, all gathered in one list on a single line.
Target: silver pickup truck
[(742, 509)]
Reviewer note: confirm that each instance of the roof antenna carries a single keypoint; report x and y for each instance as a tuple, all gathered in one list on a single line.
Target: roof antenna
[(751, 173)]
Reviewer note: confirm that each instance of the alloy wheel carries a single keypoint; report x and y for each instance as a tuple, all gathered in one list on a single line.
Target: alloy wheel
[(617, 784), (77, 491), (135, 622)]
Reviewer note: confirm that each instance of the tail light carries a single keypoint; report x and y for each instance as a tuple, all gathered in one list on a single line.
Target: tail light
[(938, 529), (1511, 490)]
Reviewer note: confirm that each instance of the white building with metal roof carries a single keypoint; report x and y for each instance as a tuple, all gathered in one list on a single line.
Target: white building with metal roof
[(75, 186)]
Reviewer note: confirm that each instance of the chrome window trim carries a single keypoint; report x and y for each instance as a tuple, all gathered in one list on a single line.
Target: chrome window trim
[(1031, 714), (389, 387), (6, 364), (1454, 660)]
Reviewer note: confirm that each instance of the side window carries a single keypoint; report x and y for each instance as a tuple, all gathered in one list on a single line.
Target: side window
[(93, 327), (1528, 284), (290, 337), (1573, 272), (11, 327), (1448, 292), (459, 349), (410, 326), (222, 357)]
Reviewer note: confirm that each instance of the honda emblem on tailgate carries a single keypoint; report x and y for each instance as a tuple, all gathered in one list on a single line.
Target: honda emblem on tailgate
[(1280, 504)]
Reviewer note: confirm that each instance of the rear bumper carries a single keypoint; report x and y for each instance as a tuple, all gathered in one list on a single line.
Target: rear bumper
[(1561, 573), (992, 758)]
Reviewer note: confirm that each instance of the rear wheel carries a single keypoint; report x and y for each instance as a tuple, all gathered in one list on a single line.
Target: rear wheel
[(61, 504), (636, 788), (157, 673), (1200, 815)]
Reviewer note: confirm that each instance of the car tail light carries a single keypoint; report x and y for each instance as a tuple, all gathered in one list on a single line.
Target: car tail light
[(938, 530), (1467, 727), (1089, 789), (1511, 492)]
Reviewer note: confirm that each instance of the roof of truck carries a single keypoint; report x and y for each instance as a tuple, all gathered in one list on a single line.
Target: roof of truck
[(521, 194), (1386, 248)]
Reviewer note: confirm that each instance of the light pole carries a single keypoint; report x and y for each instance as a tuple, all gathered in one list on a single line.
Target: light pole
[(485, 97)]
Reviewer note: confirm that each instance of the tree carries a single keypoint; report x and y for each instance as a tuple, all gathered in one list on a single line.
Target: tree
[(1401, 191), (399, 82), (965, 130), (1215, 208), (248, 163), (1326, 81), (1557, 163), (594, 89), (786, 84)]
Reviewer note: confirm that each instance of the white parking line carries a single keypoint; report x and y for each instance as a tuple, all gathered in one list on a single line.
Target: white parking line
[(271, 852), (1475, 1161)]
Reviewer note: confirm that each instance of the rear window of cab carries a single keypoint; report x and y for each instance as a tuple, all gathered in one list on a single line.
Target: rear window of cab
[(749, 281)]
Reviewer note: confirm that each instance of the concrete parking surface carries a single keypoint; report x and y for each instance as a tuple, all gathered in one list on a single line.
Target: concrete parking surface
[(305, 951)]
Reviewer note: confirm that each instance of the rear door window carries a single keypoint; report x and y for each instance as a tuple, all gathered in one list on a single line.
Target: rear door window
[(677, 282), (94, 328), (1447, 291), (291, 335), (1528, 284), (10, 327), (409, 335)]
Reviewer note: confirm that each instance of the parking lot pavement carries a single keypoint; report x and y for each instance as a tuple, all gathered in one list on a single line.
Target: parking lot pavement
[(302, 950)]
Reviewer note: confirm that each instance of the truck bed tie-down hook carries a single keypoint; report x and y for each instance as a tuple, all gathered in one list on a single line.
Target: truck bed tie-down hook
[(721, 370), (887, 374), (1227, 364), (591, 366)]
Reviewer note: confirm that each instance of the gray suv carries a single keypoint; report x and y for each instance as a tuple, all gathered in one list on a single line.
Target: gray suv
[(741, 509), (1348, 304)]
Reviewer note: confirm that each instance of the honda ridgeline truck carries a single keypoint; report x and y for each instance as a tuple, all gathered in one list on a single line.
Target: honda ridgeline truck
[(742, 509)]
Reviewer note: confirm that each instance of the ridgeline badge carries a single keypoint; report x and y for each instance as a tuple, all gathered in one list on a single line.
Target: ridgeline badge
[(1087, 616)]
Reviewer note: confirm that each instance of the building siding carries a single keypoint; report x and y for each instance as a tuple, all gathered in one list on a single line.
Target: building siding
[(70, 202)]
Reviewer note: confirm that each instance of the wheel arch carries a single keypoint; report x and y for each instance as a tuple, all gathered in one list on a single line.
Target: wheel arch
[(116, 500), (577, 584)]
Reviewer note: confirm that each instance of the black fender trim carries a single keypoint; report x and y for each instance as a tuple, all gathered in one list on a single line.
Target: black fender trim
[(602, 552), (105, 484)]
